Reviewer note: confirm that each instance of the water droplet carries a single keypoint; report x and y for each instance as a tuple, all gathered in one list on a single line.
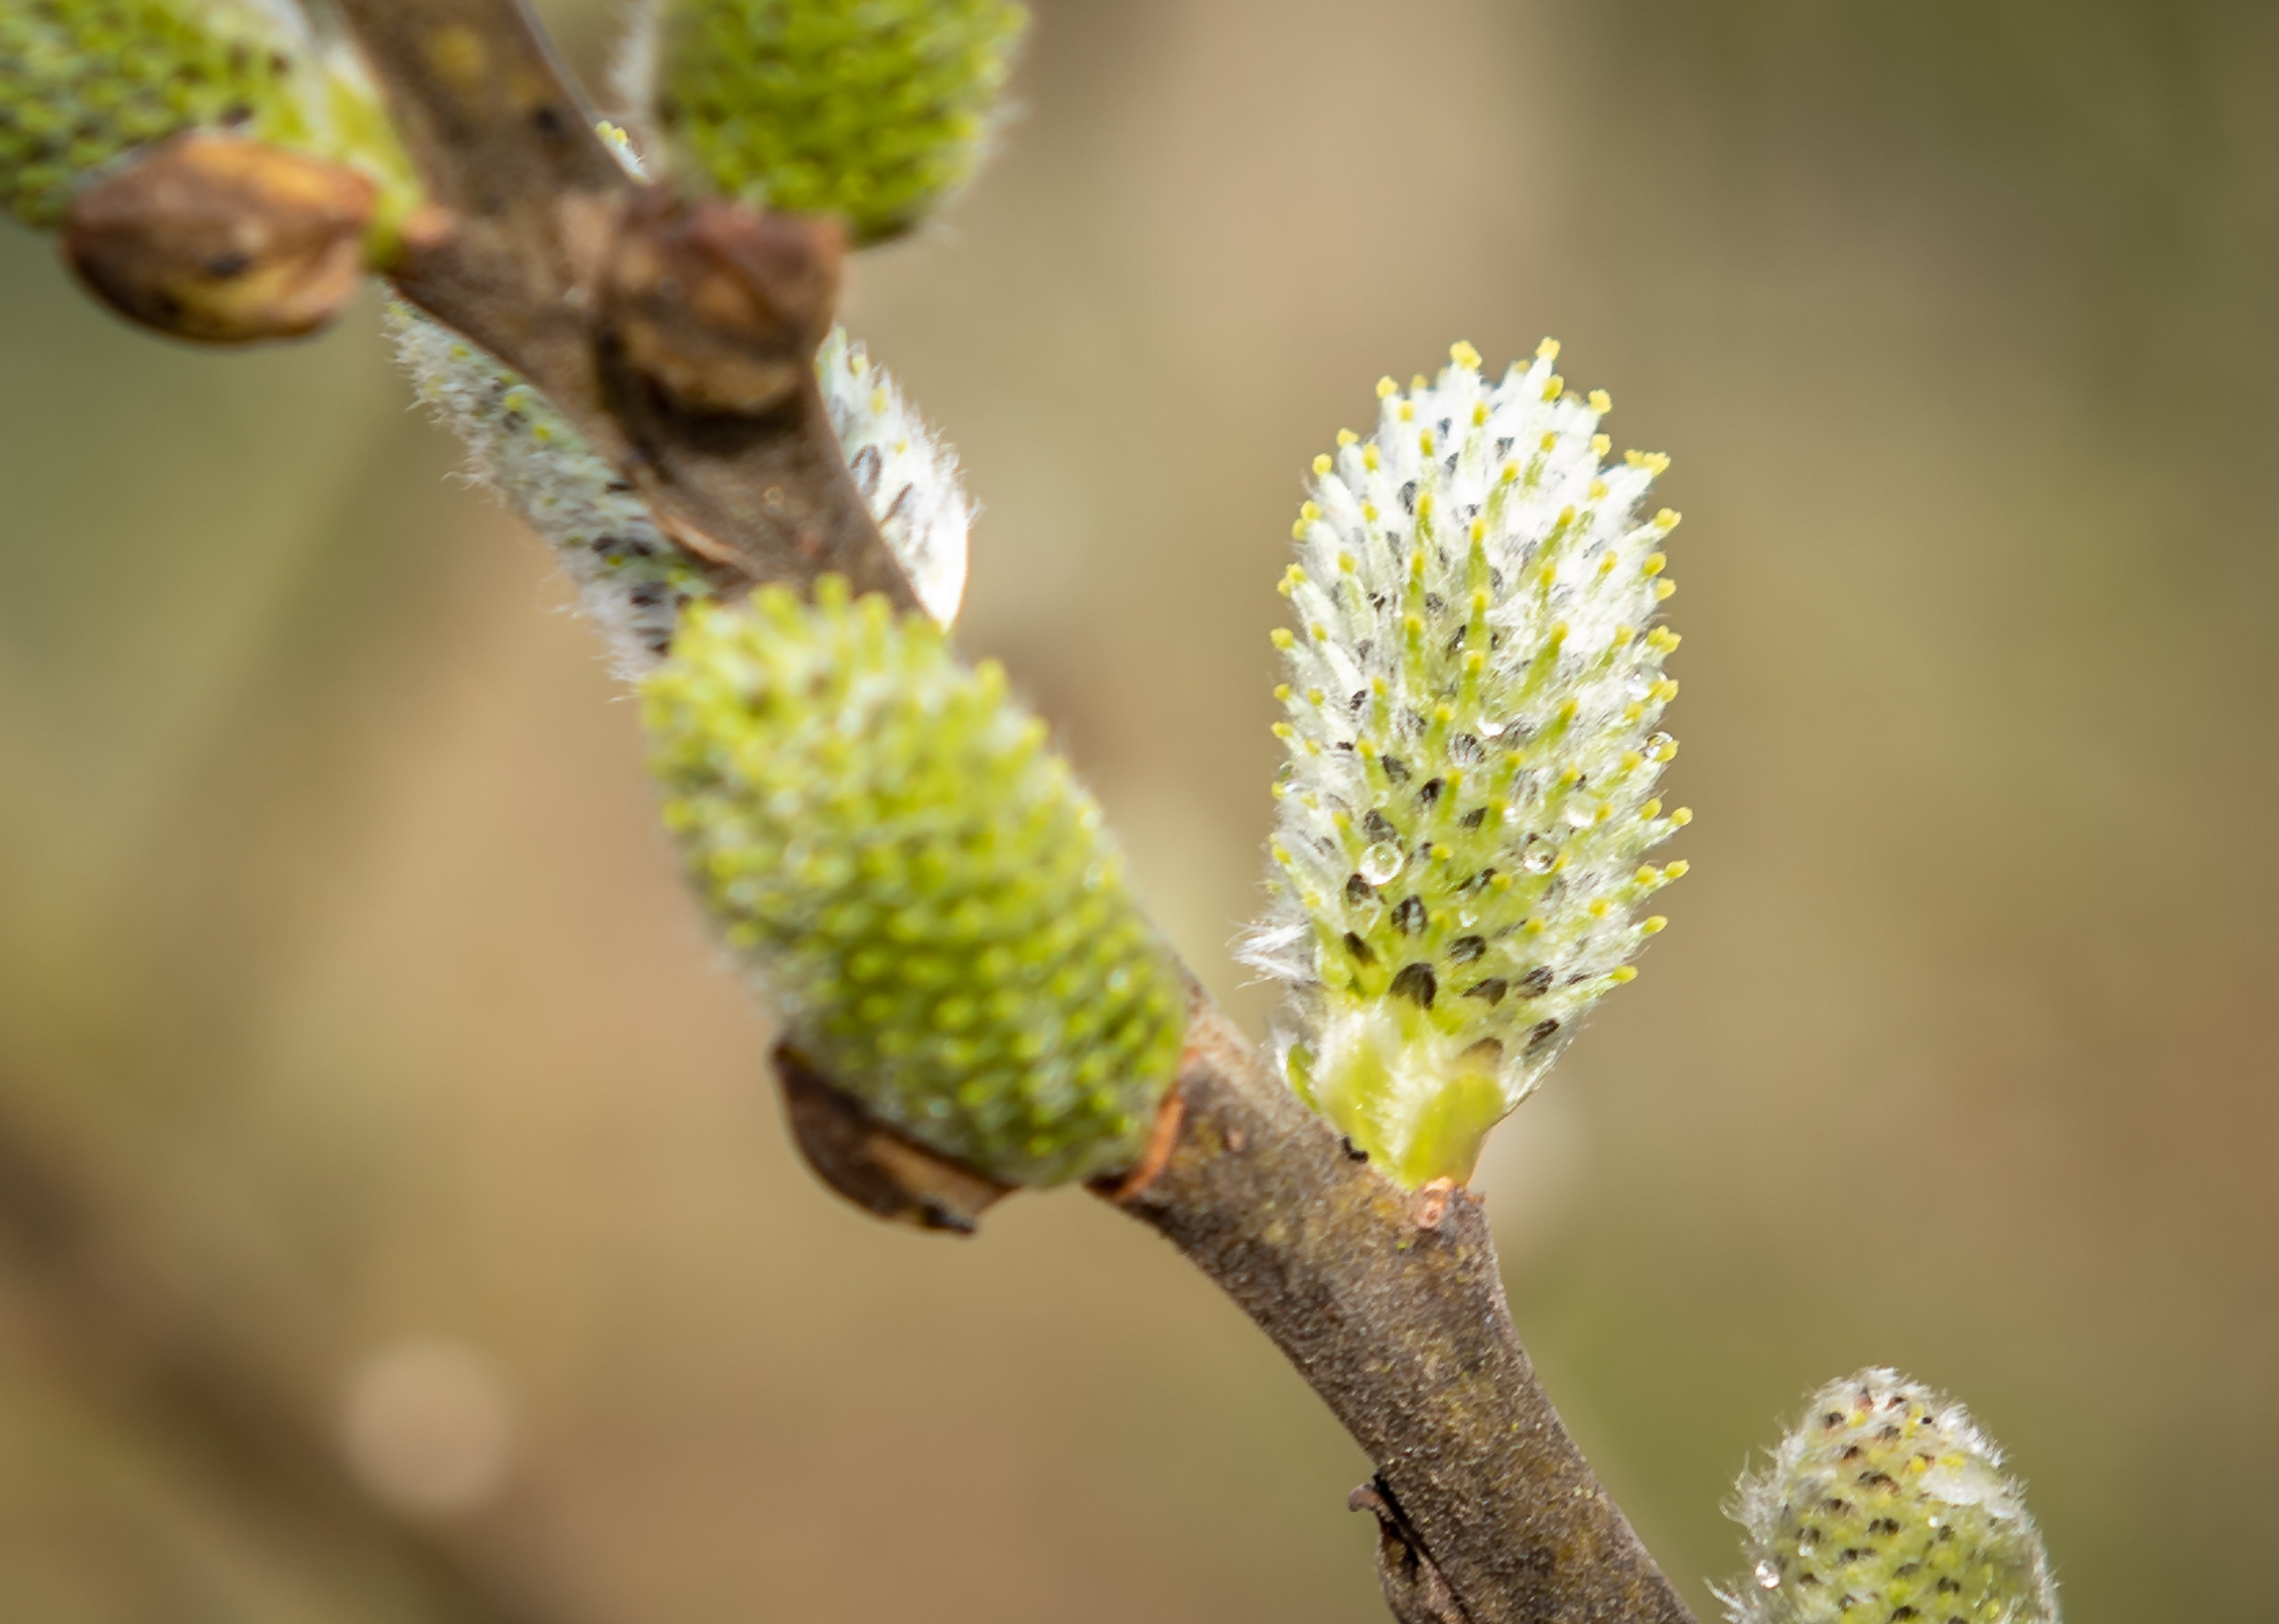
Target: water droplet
[(1538, 860), (1380, 862), (1639, 685), (1489, 727), (1768, 1576), (1579, 813), (1655, 743)]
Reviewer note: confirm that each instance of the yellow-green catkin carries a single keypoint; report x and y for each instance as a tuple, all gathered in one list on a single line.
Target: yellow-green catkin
[(82, 83), (873, 111), (918, 881), (1473, 694), (1886, 1505)]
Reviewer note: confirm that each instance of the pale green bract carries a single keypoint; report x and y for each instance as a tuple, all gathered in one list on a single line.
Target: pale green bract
[(1885, 1502), (874, 110), (1472, 714), (918, 881)]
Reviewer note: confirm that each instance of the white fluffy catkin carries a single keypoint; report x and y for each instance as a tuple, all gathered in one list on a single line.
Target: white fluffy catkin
[(632, 582)]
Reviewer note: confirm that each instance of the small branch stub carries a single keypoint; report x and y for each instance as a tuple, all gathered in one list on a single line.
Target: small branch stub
[(223, 240)]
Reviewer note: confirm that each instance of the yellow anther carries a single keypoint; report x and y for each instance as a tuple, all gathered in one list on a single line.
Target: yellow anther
[(1632, 760), (1655, 564), (1387, 388), (1424, 442), (1278, 851), (1283, 639), (1622, 635), (1408, 412), (1657, 925), (1315, 696), (1682, 816), (1547, 350), (1651, 811), (1510, 473), (1666, 751), (1322, 463), (1464, 356), (1534, 927), (1346, 565), (1622, 975), (1600, 445), (1282, 691), (1553, 386), (1601, 402), (1678, 870), (1597, 909), (1369, 458), (1366, 748), (1320, 633), (1664, 591), (1647, 875), (1602, 813), (1282, 730), (1598, 490), (1665, 690), (1310, 511), (1439, 854), (1298, 530), (1346, 437), (1632, 713), (1479, 414), (1369, 509), (1664, 639), (1667, 519)]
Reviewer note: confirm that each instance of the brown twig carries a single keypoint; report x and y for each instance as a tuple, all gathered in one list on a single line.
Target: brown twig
[(1491, 1514)]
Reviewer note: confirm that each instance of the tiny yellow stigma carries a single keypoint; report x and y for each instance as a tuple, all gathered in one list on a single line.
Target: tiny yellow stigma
[(1369, 458), (1553, 386), (1632, 760), (1651, 811), (1464, 356), (1600, 445), (1647, 875), (1480, 414), (1678, 870), (1346, 437), (1387, 388), (1597, 489), (1424, 442), (1665, 690), (1547, 350), (1667, 519), (1418, 384), (1298, 530), (1310, 511), (1284, 731), (1665, 590), (1322, 463), (1682, 816), (1408, 412), (1283, 639), (1664, 639), (1622, 975), (1655, 563), (1657, 925), (1549, 442), (1282, 691), (1601, 402), (1597, 909), (1511, 473)]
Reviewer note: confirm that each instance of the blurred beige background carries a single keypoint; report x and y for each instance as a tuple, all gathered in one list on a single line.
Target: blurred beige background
[(339, 949)]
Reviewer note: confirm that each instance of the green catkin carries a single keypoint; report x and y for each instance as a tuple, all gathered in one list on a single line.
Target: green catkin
[(918, 880), (874, 110), (1886, 1505), (82, 83), (1473, 698)]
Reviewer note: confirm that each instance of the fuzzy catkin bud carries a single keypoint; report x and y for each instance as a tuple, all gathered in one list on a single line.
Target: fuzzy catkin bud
[(84, 81), (1472, 711), (918, 880), (1884, 1504), (872, 113), (632, 583)]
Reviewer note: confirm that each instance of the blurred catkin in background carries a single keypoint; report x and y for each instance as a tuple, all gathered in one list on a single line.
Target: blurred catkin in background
[(337, 941)]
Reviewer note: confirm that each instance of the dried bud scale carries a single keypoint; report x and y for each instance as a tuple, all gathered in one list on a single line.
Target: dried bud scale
[(83, 82), (632, 582), (918, 881), (1473, 696), (872, 113), (1886, 1503)]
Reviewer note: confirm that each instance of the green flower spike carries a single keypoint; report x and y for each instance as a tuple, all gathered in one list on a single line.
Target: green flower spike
[(1886, 1505), (83, 82), (918, 880), (632, 583), (1472, 709), (873, 111)]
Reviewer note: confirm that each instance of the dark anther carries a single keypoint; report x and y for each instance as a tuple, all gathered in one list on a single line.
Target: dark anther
[(1474, 819), (1535, 982), (1503, 447), (1360, 701), (1850, 1553), (1408, 496), (1493, 989), (1899, 1614), (1434, 603), (1409, 916), (1542, 1033), (1451, 464), (1378, 827), (1852, 1453), (1396, 769), (1430, 792), (1358, 890), (1878, 1480), (1948, 1584), (1889, 1433), (1417, 985), (1359, 949), (1465, 748), (865, 467), (1833, 1420), (1464, 949), (1884, 1525), (1354, 1153)]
